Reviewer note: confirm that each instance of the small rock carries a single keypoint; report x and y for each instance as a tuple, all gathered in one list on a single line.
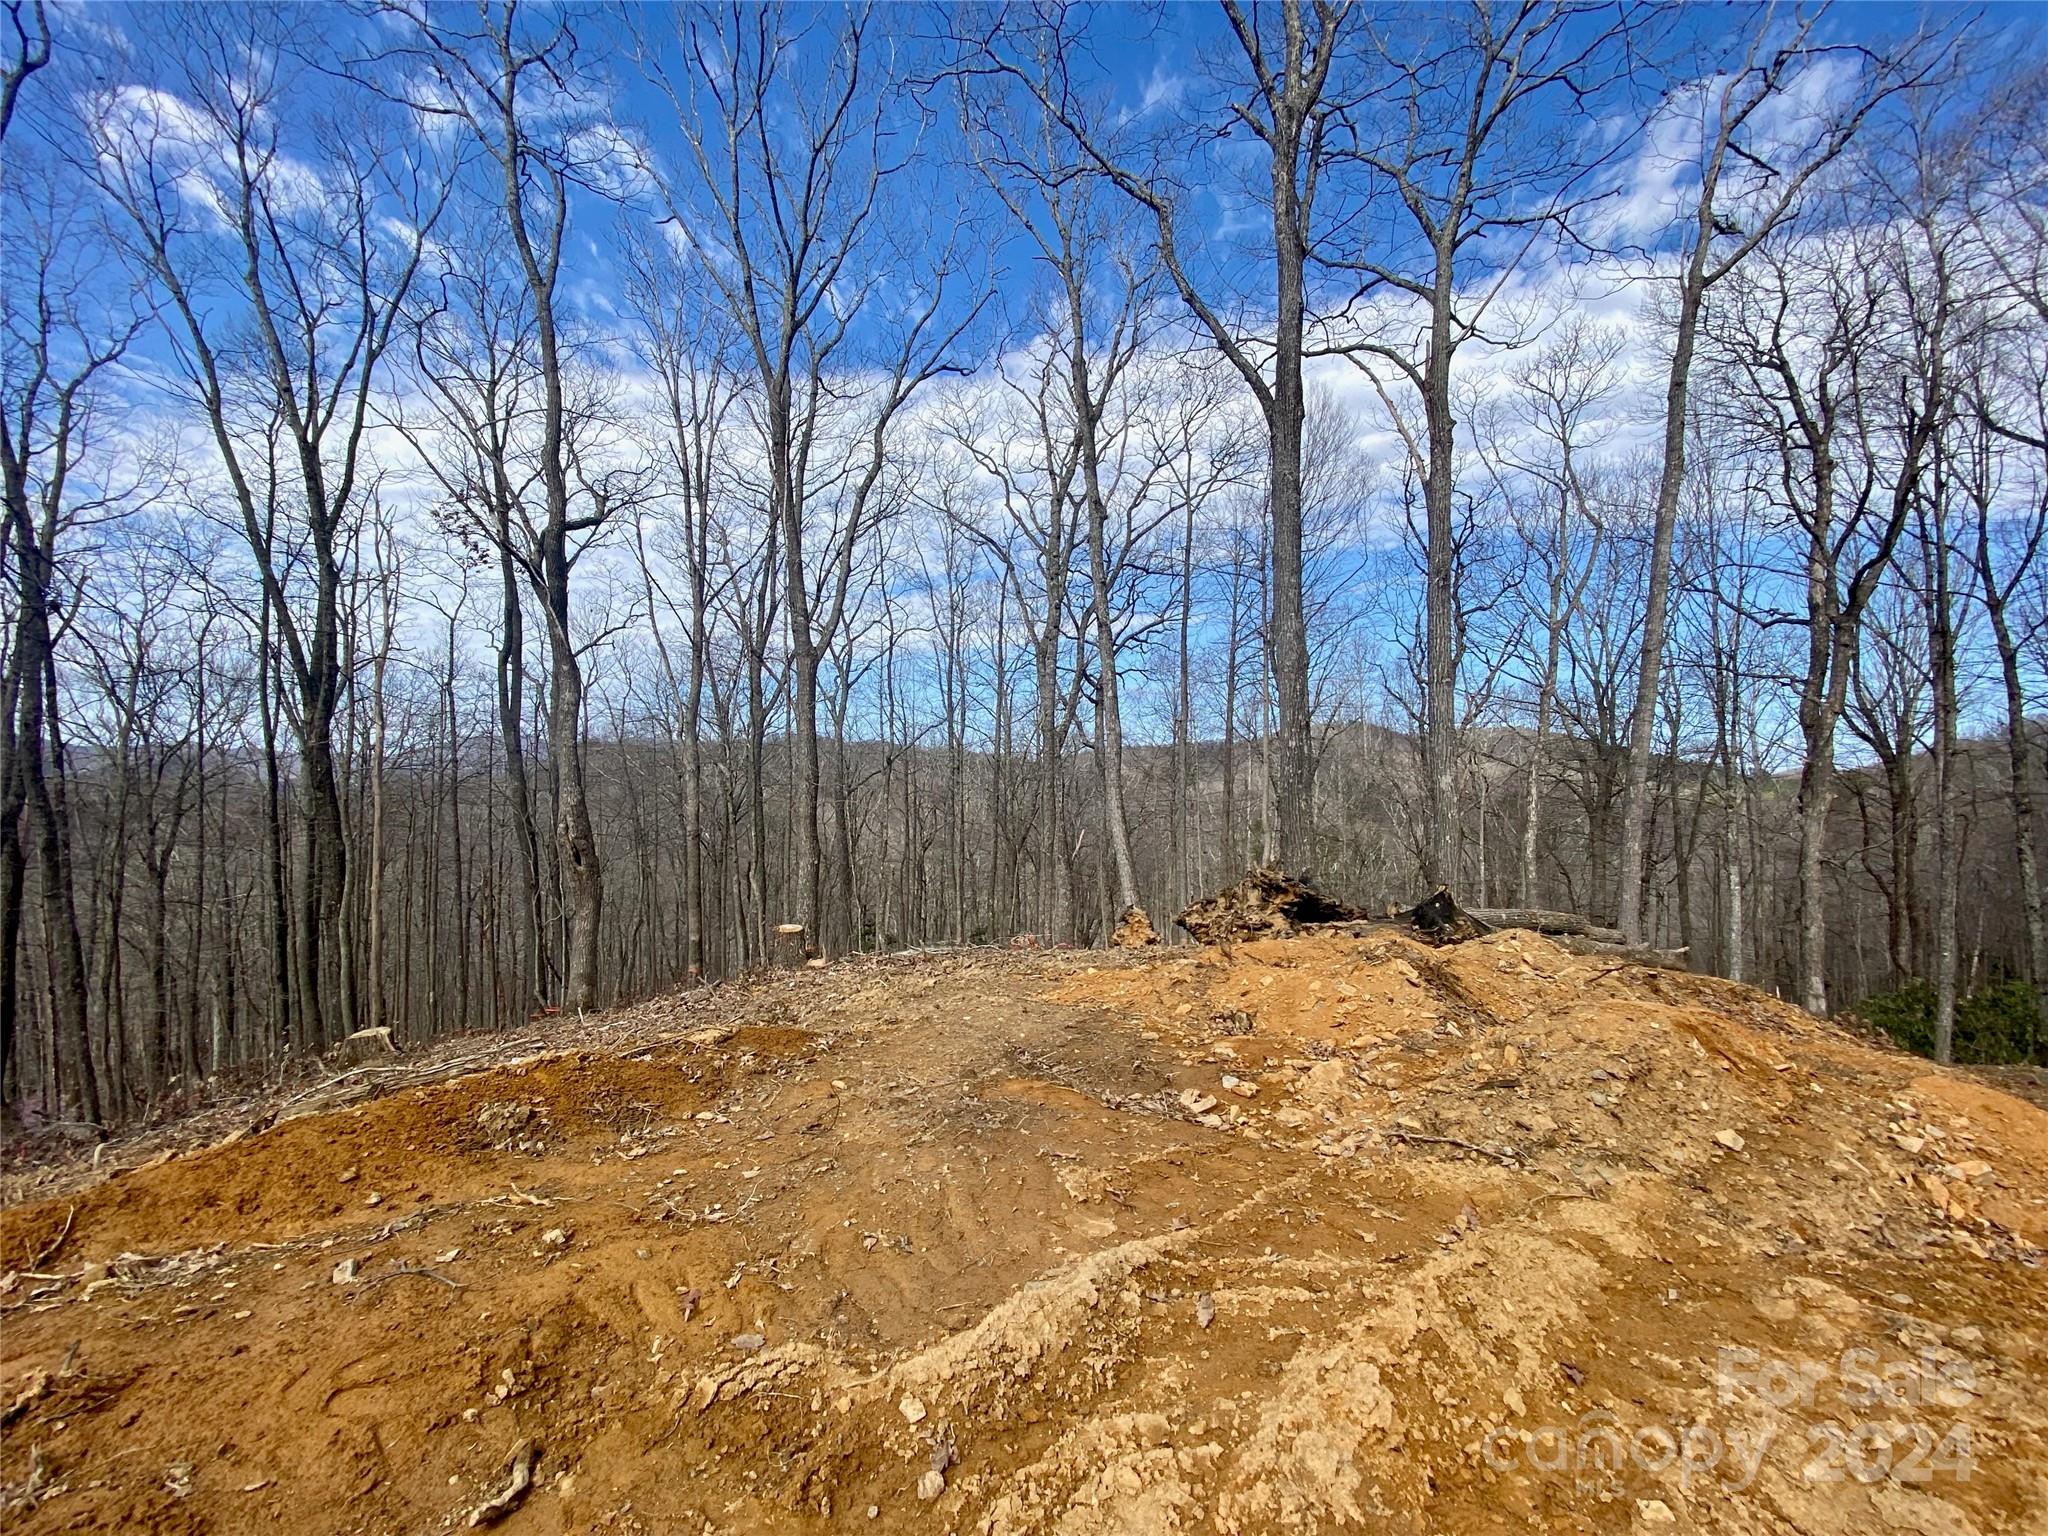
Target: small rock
[(874, 1511), (1205, 1310), (912, 1410), (1655, 1512), (373, 1198), (1732, 1140), (1195, 1102), (555, 1237), (931, 1485), (749, 1343), (346, 1176), (344, 1272)]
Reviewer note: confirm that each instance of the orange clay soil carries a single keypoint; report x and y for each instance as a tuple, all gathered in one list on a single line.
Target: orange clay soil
[(1315, 1235)]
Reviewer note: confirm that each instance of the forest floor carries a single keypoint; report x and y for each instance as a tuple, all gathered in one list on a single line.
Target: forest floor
[(1308, 1235)]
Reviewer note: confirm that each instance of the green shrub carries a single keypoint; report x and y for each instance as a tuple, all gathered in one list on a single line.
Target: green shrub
[(1993, 1024)]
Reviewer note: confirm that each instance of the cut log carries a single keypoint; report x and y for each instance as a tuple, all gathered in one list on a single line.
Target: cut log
[(1632, 954), (1538, 921), (1267, 903)]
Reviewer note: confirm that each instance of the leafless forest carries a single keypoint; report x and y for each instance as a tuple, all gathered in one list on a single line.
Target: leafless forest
[(506, 505)]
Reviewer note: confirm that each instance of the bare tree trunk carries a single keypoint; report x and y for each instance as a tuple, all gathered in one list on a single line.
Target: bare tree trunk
[(1442, 640), (44, 793), (2020, 788), (1947, 852), (1184, 719), (1635, 817), (536, 969), (13, 878), (2019, 756), (574, 836), (1766, 69)]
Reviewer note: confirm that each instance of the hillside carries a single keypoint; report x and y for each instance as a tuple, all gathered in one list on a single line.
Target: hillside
[(1310, 1235)]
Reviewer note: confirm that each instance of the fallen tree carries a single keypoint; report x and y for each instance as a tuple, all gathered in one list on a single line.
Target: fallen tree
[(1556, 924), (1269, 903)]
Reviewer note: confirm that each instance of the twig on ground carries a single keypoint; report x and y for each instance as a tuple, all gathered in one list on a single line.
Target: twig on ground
[(49, 1251), (1504, 1154), (413, 1269)]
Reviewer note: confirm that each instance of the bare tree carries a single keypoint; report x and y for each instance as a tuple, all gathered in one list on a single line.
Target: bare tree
[(1565, 390), (786, 169), (474, 356), (489, 79), (219, 202), (1753, 172), (1460, 133), (1805, 331), (1286, 96), (59, 336)]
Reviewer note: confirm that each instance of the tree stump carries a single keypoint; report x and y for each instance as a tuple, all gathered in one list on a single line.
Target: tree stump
[(786, 948), (1439, 919), (367, 1045)]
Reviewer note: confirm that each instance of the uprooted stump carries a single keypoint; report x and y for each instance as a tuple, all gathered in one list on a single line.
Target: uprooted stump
[(1267, 903), (1134, 930), (1440, 919)]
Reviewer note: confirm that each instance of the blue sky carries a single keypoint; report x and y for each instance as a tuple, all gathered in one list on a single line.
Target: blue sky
[(1152, 73)]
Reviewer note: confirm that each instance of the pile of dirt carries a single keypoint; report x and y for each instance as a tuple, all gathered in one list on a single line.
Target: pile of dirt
[(1322, 1234), (1134, 930)]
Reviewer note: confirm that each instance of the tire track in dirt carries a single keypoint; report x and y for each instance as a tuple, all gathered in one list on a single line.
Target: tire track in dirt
[(1259, 1243)]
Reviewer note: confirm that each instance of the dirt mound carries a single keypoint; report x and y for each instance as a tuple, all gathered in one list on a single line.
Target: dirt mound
[(1134, 930), (1317, 1235)]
